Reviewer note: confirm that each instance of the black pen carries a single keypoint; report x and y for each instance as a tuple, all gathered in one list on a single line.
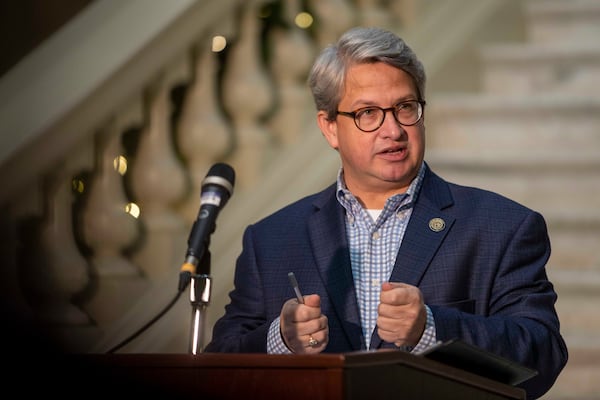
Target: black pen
[(294, 283)]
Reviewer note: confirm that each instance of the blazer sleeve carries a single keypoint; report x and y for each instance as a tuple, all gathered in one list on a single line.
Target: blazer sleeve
[(244, 327), (519, 321)]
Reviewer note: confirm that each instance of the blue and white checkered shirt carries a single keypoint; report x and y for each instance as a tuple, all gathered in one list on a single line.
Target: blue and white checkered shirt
[(373, 249)]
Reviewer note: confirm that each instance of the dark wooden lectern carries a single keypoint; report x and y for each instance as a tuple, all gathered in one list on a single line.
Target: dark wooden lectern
[(360, 375)]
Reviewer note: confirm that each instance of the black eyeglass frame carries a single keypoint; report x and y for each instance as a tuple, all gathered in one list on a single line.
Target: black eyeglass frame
[(353, 114)]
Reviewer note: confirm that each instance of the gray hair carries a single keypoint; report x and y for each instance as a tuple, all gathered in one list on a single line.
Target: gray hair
[(360, 46)]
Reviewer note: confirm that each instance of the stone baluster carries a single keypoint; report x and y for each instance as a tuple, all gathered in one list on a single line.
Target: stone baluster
[(158, 183), (293, 54), (333, 18), (247, 97), (57, 271), (202, 131), (107, 228)]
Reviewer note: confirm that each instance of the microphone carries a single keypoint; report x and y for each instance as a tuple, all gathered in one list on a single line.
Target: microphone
[(216, 190)]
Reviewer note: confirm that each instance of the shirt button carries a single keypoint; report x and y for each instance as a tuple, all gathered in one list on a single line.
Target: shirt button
[(374, 282), (375, 235)]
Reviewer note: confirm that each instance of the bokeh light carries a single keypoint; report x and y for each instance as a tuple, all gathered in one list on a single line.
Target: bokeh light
[(133, 210), (303, 20), (120, 165), (218, 43)]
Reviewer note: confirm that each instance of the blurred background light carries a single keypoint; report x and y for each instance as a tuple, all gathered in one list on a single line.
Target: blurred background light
[(218, 43), (303, 20), (133, 210)]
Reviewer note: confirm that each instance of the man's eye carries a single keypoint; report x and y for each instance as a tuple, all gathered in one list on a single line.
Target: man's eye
[(408, 106), (366, 112)]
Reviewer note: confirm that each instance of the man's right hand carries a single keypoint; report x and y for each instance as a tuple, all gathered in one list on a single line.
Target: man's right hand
[(304, 329)]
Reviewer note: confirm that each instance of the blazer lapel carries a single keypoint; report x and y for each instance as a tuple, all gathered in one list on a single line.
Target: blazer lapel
[(427, 228), (328, 237)]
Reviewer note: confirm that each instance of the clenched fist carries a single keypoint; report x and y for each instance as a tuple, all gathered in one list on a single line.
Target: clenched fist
[(401, 314)]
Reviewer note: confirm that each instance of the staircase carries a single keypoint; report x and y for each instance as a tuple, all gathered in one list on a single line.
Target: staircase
[(533, 133)]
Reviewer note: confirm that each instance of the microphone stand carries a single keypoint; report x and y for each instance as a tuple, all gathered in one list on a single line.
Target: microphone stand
[(200, 291)]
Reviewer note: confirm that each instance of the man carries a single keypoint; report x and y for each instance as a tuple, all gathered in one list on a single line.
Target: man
[(391, 255)]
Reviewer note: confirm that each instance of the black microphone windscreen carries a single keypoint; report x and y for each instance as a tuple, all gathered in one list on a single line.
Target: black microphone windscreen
[(224, 171), (221, 175)]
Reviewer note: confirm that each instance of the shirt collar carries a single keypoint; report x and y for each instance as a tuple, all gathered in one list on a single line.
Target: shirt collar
[(349, 202)]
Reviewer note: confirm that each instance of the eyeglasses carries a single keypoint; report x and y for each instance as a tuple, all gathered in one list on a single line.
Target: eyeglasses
[(369, 119)]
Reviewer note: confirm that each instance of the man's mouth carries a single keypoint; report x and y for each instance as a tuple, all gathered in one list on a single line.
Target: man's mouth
[(393, 151)]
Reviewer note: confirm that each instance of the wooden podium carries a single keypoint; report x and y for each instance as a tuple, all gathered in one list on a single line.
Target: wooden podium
[(358, 375)]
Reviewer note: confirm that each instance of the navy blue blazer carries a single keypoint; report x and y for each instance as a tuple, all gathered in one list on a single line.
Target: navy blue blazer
[(483, 276)]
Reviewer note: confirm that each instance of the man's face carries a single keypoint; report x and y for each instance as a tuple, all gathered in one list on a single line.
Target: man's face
[(387, 159)]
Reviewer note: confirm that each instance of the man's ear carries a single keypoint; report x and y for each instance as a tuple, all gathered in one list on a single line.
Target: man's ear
[(328, 128)]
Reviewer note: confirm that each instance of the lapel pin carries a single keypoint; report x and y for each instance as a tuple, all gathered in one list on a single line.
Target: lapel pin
[(437, 224)]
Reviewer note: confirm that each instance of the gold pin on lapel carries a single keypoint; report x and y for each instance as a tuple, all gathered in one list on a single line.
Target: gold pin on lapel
[(437, 224)]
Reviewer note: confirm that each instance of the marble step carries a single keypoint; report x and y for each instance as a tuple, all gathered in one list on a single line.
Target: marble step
[(559, 21), (564, 68), (565, 184), (493, 125)]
